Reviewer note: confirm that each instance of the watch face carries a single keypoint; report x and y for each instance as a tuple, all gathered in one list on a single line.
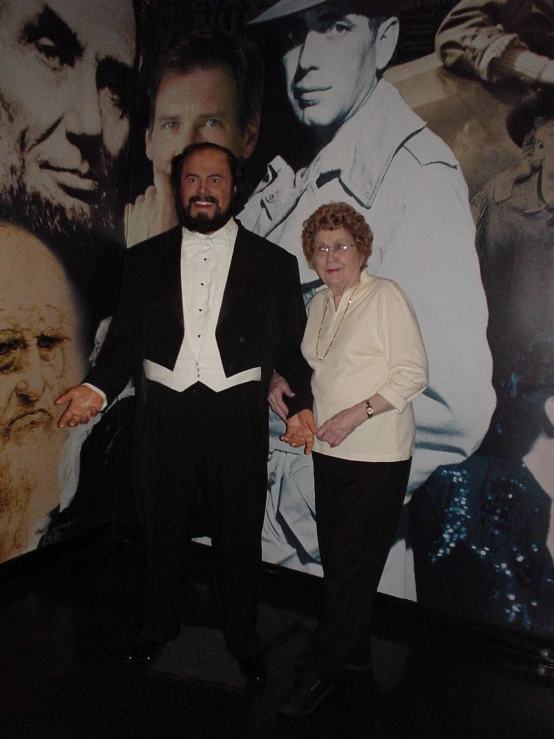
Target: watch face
[(369, 410)]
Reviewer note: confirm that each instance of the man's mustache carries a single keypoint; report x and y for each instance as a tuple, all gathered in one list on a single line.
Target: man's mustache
[(203, 199), (38, 414)]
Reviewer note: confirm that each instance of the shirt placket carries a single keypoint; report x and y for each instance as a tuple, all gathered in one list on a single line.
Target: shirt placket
[(201, 308)]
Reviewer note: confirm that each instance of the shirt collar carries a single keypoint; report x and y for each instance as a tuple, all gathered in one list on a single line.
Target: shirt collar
[(360, 153), (366, 143), (221, 241)]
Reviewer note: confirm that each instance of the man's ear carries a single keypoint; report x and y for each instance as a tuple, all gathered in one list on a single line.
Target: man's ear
[(385, 42), (250, 137), (148, 142)]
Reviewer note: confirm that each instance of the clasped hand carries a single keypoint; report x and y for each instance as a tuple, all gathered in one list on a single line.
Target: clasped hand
[(301, 428), (300, 431)]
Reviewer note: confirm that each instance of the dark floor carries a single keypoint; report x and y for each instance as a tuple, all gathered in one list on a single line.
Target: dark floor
[(62, 629)]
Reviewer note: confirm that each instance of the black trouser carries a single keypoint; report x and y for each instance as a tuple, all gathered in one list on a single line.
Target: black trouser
[(214, 443), (358, 508)]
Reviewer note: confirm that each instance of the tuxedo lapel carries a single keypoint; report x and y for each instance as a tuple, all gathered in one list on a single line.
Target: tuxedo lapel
[(168, 263), (238, 276)]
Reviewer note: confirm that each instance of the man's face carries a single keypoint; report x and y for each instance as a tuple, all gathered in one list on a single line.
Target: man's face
[(41, 352), (330, 65), (207, 190), (199, 106), (65, 76)]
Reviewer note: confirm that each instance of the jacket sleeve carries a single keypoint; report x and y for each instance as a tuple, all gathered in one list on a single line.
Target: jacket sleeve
[(473, 35), (117, 360), (289, 361)]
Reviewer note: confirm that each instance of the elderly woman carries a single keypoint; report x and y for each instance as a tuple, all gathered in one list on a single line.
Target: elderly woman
[(364, 344)]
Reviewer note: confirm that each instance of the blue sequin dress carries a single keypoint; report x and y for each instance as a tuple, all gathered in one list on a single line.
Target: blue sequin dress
[(479, 534)]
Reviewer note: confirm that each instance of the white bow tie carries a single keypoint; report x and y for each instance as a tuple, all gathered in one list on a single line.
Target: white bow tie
[(219, 242)]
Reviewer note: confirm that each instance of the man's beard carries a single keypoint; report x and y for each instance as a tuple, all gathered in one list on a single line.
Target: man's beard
[(81, 239), (203, 223), (51, 221), (29, 489)]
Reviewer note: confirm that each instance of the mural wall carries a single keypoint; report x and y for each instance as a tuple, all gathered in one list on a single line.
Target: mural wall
[(66, 90), (449, 154)]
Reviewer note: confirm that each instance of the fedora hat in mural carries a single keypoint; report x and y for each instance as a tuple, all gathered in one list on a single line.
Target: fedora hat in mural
[(521, 119), (284, 8)]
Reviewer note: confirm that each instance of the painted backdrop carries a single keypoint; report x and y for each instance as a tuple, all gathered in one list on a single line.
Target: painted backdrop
[(463, 221)]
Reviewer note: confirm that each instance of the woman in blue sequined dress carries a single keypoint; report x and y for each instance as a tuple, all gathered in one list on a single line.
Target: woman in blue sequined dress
[(483, 530)]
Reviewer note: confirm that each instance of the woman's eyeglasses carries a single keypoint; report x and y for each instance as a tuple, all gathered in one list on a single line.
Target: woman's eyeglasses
[(340, 248)]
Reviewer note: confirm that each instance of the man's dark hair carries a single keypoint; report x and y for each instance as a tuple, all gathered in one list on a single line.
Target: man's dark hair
[(234, 165), (209, 48)]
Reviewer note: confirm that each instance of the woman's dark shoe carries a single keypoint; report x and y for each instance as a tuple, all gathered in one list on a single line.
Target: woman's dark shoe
[(360, 662), (307, 692)]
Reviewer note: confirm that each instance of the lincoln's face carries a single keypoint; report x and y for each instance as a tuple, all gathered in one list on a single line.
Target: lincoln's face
[(65, 80), (329, 64)]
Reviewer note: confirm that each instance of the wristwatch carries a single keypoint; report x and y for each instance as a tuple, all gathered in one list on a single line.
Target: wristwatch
[(369, 409)]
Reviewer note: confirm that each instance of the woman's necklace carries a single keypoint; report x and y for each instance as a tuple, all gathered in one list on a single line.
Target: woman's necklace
[(338, 327)]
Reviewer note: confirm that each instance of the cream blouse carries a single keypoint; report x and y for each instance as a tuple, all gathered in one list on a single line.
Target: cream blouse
[(377, 349)]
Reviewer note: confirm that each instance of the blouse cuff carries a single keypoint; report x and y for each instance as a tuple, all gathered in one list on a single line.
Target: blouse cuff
[(394, 398)]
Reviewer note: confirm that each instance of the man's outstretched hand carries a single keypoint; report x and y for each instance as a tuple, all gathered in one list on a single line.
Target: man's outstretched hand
[(301, 430), (84, 403)]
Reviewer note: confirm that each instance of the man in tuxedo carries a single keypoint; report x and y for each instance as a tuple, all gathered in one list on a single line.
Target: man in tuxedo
[(207, 311)]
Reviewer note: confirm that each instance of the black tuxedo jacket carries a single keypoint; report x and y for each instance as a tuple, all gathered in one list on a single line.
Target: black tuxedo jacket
[(261, 321)]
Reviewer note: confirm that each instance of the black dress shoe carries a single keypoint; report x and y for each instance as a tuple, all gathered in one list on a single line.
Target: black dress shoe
[(306, 693), (143, 653), (253, 668), (360, 662)]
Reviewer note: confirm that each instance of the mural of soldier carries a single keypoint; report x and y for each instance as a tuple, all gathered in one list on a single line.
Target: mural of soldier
[(515, 238), (370, 150)]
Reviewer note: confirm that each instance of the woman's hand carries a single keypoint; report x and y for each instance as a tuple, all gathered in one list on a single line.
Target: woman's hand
[(342, 424), (300, 430)]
